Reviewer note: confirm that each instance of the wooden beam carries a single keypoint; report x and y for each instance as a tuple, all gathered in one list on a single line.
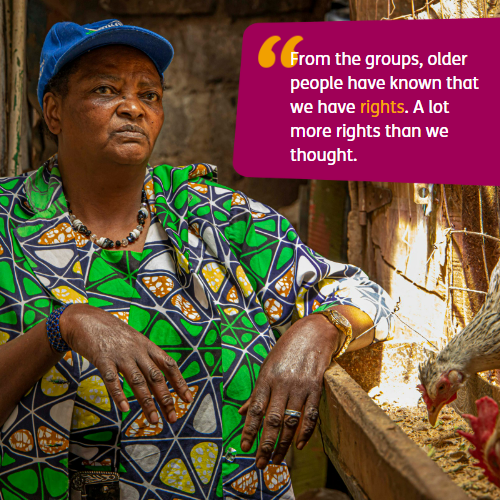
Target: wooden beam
[(379, 461), (353, 486), (17, 95)]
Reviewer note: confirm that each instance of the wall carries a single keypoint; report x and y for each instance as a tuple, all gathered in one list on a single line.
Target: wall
[(436, 265)]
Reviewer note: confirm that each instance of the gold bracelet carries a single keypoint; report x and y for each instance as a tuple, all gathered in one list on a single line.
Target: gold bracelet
[(342, 323)]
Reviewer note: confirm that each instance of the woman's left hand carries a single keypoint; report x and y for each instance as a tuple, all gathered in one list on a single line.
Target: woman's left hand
[(290, 378)]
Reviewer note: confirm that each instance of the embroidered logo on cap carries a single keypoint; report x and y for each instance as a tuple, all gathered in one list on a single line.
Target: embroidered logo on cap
[(110, 25)]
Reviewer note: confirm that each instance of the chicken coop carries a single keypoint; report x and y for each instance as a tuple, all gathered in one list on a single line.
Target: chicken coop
[(433, 248)]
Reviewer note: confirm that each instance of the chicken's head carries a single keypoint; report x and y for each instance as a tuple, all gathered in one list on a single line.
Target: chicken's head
[(439, 386), (486, 439)]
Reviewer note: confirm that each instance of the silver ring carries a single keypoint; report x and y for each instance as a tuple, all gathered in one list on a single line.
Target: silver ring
[(293, 413)]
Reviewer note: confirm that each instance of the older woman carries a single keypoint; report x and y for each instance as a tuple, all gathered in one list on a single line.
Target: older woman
[(139, 304)]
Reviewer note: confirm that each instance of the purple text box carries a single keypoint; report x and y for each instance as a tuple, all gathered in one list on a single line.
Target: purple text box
[(467, 153)]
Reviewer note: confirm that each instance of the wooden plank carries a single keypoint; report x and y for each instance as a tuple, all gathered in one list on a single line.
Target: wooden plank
[(3, 91), (354, 488), (308, 467), (327, 208), (384, 462), (18, 76)]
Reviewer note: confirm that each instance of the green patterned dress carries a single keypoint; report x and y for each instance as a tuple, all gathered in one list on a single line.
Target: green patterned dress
[(220, 278)]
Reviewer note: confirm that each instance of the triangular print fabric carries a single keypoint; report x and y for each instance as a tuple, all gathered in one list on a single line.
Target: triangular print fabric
[(220, 278)]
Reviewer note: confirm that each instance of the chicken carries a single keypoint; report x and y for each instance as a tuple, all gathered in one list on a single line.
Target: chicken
[(475, 349), (486, 438)]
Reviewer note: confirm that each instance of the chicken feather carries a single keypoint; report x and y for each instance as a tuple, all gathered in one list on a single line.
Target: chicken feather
[(475, 349)]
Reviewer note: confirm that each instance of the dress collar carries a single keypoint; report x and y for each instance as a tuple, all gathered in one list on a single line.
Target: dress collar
[(45, 195)]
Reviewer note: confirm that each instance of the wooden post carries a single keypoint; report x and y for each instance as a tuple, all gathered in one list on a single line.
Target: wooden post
[(18, 76), (3, 80)]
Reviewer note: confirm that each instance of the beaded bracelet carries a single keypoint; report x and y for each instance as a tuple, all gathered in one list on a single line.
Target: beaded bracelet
[(53, 331)]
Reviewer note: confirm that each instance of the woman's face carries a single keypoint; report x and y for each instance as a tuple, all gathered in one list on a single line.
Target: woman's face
[(113, 108)]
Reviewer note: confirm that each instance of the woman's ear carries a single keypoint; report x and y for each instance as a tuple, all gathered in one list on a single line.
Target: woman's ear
[(52, 112)]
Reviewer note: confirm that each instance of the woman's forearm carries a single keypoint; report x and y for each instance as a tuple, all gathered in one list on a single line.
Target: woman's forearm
[(360, 322), (23, 361)]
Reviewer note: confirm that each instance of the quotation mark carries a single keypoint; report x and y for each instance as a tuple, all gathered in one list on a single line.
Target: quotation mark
[(267, 58)]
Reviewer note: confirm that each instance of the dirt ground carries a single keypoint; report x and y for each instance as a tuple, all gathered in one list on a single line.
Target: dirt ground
[(443, 445)]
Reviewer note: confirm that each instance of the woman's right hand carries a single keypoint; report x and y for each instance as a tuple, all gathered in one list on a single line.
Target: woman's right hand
[(113, 347)]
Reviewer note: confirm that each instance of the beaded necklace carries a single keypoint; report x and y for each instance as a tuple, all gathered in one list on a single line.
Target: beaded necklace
[(81, 228)]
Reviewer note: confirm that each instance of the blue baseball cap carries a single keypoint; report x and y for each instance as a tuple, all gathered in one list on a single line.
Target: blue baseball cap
[(67, 41)]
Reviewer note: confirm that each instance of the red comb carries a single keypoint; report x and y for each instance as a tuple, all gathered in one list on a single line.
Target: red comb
[(483, 426)]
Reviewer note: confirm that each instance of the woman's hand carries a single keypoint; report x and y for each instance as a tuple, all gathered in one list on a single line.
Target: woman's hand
[(113, 347), (290, 378)]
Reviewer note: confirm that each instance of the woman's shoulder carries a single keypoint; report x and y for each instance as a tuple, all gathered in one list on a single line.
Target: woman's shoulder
[(197, 178), (199, 181), (16, 203), (13, 201), (12, 185), (174, 177), (16, 186)]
